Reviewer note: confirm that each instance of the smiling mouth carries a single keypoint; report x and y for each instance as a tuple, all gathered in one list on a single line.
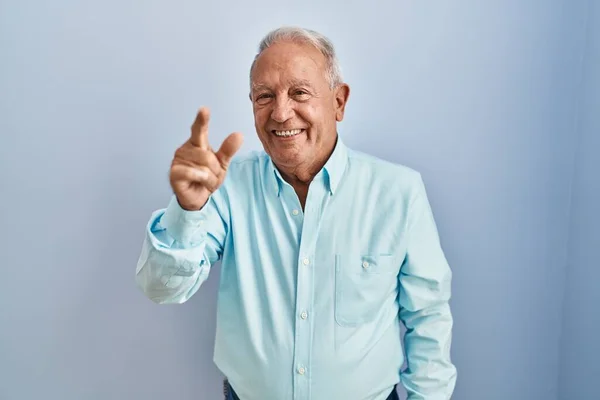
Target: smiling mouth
[(289, 133)]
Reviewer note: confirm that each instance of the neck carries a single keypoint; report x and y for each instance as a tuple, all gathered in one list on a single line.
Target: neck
[(300, 176)]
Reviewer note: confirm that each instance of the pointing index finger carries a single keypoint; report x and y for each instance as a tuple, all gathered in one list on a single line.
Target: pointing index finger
[(199, 136)]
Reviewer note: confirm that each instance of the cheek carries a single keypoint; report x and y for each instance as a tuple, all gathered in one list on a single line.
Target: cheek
[(316, 116), (261, 117), (309, 114)]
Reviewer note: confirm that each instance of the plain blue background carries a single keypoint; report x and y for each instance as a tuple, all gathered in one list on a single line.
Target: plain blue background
[(495, 102)]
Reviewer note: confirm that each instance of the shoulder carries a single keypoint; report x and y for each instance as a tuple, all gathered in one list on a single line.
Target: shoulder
[(243, 172), (246, 173), (248, 159), (385, 173), (246, 165)]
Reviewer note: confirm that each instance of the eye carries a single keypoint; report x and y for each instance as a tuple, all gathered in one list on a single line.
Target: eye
[(301, 94), (263, 98)]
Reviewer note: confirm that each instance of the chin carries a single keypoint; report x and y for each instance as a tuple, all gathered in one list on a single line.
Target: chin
[(288, 158)]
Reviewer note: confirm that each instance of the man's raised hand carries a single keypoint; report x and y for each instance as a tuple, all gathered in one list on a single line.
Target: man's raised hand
[(197, 171)]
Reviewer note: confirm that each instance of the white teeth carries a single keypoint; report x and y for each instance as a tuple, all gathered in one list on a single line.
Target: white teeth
[(288, 133)]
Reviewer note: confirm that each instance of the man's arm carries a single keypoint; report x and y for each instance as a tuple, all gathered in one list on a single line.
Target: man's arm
[(178, 250), (425, 288), (180, 245)]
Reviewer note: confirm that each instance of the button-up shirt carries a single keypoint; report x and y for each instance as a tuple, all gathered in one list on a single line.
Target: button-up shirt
[(311, 300)]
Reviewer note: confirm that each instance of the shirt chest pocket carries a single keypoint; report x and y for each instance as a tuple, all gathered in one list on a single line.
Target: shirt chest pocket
[(364, 286)]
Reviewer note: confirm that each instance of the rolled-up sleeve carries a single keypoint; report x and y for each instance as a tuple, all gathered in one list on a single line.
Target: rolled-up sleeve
[(178, 250), (425, 290)]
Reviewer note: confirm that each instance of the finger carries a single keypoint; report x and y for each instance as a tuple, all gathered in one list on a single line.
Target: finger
[(200, 175), (195, 156), (200, 128), (229, 147)]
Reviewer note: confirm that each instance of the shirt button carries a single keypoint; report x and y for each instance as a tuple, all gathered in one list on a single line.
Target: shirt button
[(304, 315), (295, 212), (306, 261), (301, 370), (365, 264)]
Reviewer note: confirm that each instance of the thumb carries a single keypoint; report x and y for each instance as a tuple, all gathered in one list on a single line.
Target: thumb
[(229, 147)]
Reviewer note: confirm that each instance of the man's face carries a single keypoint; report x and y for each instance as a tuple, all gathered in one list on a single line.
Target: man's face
[(295, 110)]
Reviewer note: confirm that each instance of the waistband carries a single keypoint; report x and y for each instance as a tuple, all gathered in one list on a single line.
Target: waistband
[(231, 395)]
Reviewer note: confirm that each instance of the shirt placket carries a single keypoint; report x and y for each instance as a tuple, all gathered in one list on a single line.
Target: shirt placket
[(305, 290)]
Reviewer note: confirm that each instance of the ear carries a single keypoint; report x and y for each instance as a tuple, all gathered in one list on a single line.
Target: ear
[(341, 94)]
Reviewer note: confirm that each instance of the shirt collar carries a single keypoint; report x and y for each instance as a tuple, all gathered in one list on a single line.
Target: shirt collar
[(333, 169)]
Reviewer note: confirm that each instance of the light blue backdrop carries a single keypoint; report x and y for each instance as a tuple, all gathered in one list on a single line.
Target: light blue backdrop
[(495, 102), (580, 344)]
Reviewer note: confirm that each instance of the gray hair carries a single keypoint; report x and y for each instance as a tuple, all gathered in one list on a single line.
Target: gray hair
[(304, 36)]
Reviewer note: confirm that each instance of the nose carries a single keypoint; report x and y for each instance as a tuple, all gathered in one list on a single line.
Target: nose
[(282, 110)]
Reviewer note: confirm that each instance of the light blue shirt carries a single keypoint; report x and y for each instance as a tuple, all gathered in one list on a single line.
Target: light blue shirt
[(311, 302)]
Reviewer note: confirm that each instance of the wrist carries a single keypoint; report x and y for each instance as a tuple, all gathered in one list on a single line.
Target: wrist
[(193, 206)]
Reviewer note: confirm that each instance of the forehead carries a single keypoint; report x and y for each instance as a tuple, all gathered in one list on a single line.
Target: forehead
[(287, 63)]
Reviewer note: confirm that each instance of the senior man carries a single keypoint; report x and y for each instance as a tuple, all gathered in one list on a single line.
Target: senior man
[(326, 251)]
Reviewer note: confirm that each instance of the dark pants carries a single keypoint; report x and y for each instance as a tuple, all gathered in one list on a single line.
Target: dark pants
[(230, 394)]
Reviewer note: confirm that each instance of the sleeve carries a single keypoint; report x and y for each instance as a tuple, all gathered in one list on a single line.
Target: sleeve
[(425, 288), (178, 250)]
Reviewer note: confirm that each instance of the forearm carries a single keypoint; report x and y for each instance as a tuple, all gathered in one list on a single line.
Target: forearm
[(425, 291), (177, 254), (168, 272), (430, 374)]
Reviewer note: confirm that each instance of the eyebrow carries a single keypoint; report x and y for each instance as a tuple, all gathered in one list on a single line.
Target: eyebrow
[(256, 87), (300, 82), (293, 82)]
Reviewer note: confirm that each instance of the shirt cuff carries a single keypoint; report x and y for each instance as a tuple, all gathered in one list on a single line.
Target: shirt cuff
[(183, 225)]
